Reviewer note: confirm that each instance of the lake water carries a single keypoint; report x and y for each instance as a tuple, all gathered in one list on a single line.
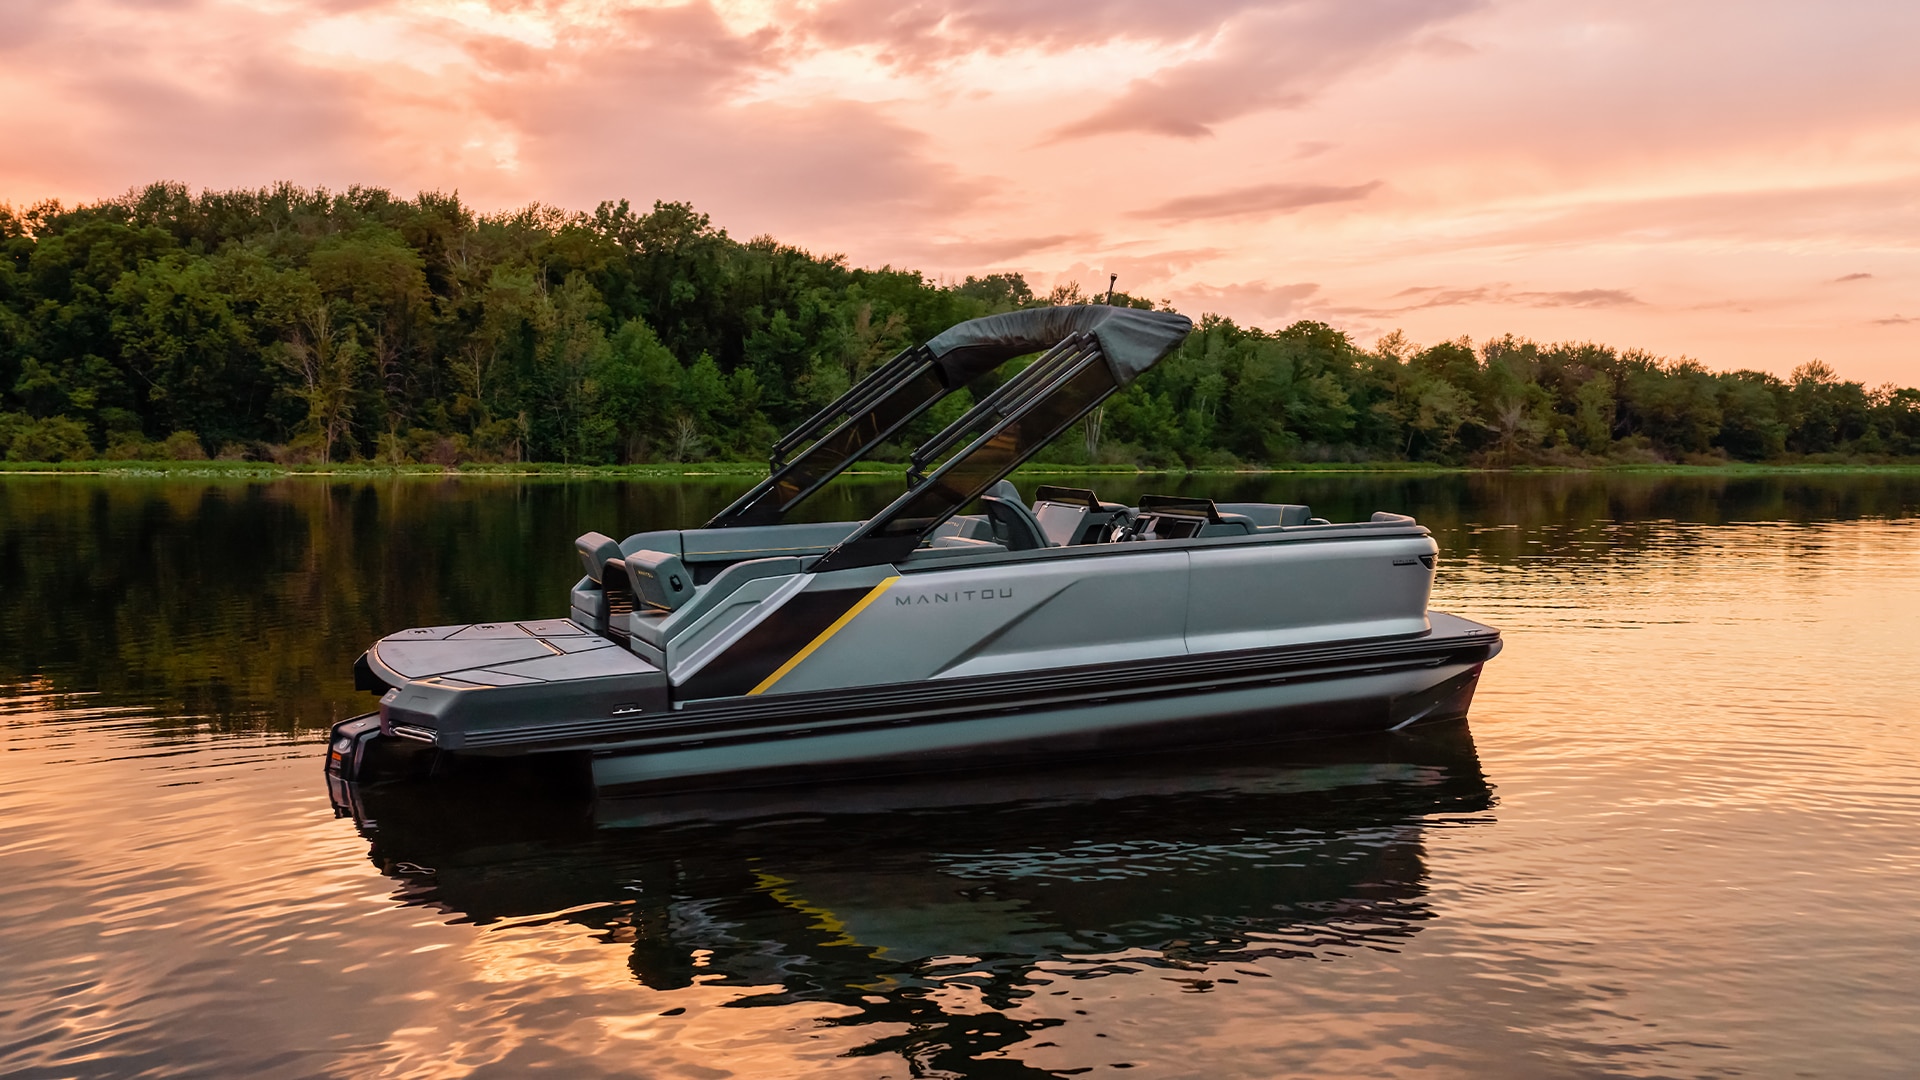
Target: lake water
[(1679, 838)]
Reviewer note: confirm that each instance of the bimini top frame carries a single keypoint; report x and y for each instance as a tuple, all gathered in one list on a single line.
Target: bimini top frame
[(898, 392), (1087, 353)]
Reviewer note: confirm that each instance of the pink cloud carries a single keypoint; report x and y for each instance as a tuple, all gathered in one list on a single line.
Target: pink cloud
[(647, 107), (118, 101), (24, 25), (1280, 56), (1261, 199), (1432, 296), (1144, 274), (1253, 300), (989, 252), (1711, 173), (914, 33), (1861, 212)]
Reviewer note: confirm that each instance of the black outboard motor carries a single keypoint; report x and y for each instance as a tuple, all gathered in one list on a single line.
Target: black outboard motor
[(358, 752)]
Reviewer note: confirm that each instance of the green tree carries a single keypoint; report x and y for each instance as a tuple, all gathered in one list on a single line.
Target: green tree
[(1675, 405), (358, 322), (323, 357), (1593, 417), (640, 385), (1751, 427), (48, 438)]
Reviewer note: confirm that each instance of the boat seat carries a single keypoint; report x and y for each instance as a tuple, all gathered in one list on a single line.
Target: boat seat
[(1171, 526), (657, 627), (596, 551), (1072, 516), (950, 548), (659, 580), (968, 526), (1269, 515), (707, 549), (960, 543), (1013, 524), (1229, 525), (1178, 517)]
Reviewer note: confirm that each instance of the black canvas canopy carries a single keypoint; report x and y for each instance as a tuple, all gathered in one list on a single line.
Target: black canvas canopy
[(1131, 340)]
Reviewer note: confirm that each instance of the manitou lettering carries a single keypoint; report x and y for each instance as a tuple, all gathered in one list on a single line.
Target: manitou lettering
[(963, 596)]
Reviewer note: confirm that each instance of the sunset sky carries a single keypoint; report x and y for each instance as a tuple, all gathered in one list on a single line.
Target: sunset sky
[(1739, 183)]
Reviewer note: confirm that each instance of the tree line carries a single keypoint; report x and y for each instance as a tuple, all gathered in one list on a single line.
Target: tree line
[(299, 325)]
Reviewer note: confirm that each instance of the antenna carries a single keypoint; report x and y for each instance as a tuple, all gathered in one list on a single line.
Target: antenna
[(1111, 278)]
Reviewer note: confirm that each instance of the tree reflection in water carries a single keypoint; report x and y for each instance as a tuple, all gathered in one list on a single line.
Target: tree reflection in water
[(240, 606), (931, 908)]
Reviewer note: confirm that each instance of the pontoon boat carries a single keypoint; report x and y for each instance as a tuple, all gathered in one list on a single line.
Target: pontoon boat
[(758, 649)]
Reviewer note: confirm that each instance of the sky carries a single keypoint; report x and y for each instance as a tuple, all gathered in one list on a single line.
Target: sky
[(1734, 182)]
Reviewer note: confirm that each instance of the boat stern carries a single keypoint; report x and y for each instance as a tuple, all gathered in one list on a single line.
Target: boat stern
[(473, 687)]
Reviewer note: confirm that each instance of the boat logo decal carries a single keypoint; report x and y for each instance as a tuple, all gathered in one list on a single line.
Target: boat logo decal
[(958, 596)]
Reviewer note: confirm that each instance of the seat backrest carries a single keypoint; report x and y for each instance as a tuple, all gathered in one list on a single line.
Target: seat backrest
[(1060, 521), (596, 551), (657, 626), (659, 580), (1072, 516), (1013, 524), (1180, 517), (1268, 515), (706, 547)]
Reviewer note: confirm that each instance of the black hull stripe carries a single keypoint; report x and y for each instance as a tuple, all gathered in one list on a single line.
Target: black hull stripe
[(762, 650)]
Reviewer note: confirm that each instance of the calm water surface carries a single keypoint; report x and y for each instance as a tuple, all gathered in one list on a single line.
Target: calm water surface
[(1680, 838)]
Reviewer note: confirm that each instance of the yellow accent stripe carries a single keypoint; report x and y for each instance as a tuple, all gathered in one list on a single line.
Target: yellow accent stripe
[(794, 661), (780, 890)]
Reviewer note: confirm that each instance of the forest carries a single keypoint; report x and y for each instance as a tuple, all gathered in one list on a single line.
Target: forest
[(302, 325)]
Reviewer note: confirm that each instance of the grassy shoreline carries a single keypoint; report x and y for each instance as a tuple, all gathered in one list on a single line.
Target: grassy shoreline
[(252, 470)]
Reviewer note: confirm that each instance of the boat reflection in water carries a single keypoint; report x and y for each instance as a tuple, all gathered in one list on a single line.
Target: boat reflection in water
[(865, 895)]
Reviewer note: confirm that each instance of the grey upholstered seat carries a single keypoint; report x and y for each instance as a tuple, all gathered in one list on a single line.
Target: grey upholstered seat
[(1268, 515), (1013, 524)]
